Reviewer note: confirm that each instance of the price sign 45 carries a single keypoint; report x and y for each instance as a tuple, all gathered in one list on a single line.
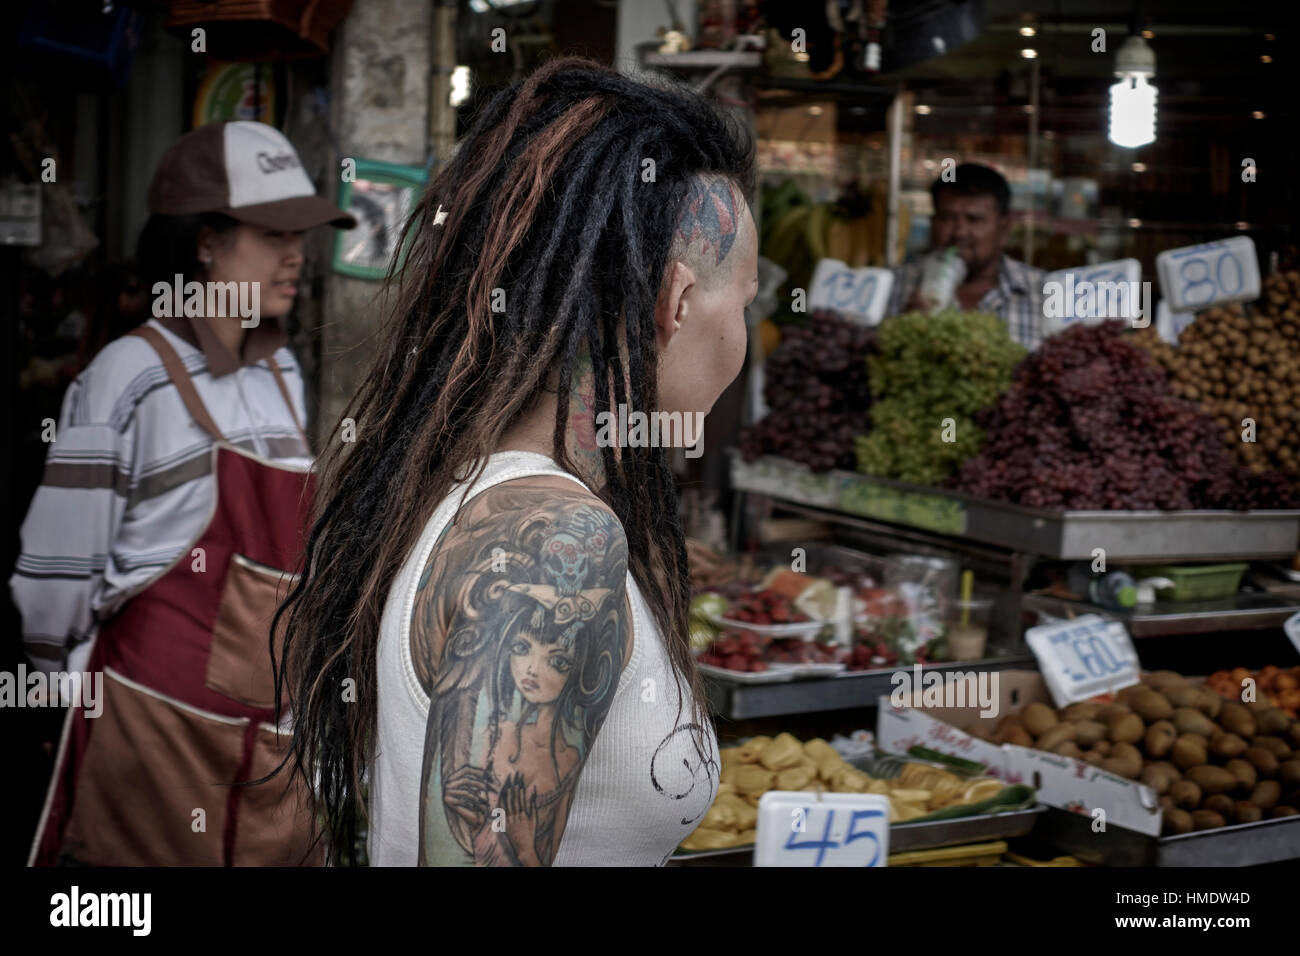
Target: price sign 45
[(1213, 273), (830, 829)]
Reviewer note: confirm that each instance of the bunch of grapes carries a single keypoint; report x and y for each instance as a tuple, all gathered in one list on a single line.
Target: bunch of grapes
[(930, 376), (1090, 423), (816, 392)]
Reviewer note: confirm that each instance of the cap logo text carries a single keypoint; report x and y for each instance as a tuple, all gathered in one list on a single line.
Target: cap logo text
[(271, 164)]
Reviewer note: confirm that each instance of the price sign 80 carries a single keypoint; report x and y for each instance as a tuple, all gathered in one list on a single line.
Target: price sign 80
[(1213, 273)]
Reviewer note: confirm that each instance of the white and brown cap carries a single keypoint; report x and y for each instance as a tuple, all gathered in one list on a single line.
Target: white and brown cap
[(246, 170)]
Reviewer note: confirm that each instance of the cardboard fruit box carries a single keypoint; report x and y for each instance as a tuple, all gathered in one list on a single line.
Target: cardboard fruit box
[(1063, 782)]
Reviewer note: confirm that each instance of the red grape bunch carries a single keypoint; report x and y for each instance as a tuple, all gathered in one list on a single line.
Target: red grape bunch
[(1090, 423), (816, 392)]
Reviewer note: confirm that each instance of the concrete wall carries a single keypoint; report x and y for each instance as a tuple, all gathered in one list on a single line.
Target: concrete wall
[(380, 111)]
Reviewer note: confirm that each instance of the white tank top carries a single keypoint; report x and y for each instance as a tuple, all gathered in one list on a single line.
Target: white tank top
[(646, 783)]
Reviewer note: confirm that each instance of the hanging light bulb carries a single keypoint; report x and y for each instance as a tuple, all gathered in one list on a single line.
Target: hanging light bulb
[(1133, 98)]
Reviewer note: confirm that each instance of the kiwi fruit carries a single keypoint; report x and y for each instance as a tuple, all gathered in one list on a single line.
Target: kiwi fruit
[(1094, 757), (1103, 747), (1174, 773), (1222, 804), (1278, 747), (1184, 696), (1207, 820), (1237, 719), (1177, 821), (1058, 734), (1266, 794), (1126, 729), (1188, 751), (1246, 812), (1272, 721), (1124, 761), (1210, 703), (1190, 721), (1019, 737), (1088, 732), (1157, 778), (1264, 761), (1164, 679), (1068, 748), (1293, 733), (1245, 773), (1283, 811), (1109, 712), (1288, 774), (1212, 780), (1083, 710), (1160, 738), (1227, 746), (1167, 803), (1151, 705), (1038, 719), (1188, 795)]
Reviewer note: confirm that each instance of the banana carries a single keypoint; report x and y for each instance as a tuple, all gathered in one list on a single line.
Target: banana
[(839, 240), (817, 223)]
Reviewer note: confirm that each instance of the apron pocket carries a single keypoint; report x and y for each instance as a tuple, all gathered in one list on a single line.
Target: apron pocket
[(239, 663), (149, 764), (275, 827)]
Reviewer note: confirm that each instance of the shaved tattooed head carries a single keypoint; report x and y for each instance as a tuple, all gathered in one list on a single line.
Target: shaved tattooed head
[(710, 223)]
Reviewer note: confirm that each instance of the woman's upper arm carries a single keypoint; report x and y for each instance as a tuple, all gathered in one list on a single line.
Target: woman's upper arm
[(522, 619)]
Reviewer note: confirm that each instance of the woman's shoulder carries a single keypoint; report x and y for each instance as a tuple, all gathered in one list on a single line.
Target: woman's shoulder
[(109, 389)]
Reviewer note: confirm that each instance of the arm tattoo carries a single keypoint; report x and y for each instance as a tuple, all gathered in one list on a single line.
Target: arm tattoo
[(519, 633), (710, 220)]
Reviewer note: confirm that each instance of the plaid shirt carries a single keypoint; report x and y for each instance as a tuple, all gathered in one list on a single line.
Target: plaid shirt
[(1017, 297)]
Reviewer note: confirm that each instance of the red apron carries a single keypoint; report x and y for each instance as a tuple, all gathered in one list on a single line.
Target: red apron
[(159, 778)]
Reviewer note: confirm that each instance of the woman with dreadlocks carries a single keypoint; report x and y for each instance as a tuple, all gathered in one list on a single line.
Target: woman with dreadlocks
[(491, 630)]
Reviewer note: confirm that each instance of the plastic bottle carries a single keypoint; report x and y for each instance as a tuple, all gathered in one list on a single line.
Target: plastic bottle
[(1114, 589)]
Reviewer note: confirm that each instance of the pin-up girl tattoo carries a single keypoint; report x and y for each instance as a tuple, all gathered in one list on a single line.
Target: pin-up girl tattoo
[(522, 608)]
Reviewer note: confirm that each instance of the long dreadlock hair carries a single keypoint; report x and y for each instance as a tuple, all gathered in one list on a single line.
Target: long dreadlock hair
[(545, 198)]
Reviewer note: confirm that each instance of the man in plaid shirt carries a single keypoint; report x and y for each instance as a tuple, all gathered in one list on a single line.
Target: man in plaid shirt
[(971, 213)]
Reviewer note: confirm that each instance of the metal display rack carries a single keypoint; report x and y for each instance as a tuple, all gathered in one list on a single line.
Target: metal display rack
[(1017, 537)]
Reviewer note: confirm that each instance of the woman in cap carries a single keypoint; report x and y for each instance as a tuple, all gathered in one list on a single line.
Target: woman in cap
[(173, 503), (502, 587)]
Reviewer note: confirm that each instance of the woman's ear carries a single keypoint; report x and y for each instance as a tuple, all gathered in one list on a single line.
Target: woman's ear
[(206, 243), (670, 310)]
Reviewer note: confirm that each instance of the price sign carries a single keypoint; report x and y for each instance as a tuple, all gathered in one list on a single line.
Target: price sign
[(1292, 627), (1083, 657), (829, 829), (1092, 294), (1213, 273), (860, 294), (1170, 324)]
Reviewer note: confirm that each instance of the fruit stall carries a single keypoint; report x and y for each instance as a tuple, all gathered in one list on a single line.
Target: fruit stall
[(914, 493)]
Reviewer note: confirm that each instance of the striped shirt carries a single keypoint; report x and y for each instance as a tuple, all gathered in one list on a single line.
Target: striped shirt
[(1016, 298), (128, 484)]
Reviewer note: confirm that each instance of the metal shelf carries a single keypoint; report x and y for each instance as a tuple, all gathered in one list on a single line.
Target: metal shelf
[(847, 691), (1242, 612), (1063, 535), (705, 60)]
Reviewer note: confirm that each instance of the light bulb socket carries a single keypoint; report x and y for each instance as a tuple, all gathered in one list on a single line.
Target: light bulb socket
[(1135, 57)]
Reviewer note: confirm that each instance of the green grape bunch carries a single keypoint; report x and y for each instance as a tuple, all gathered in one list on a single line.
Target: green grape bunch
[(930, 374)]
